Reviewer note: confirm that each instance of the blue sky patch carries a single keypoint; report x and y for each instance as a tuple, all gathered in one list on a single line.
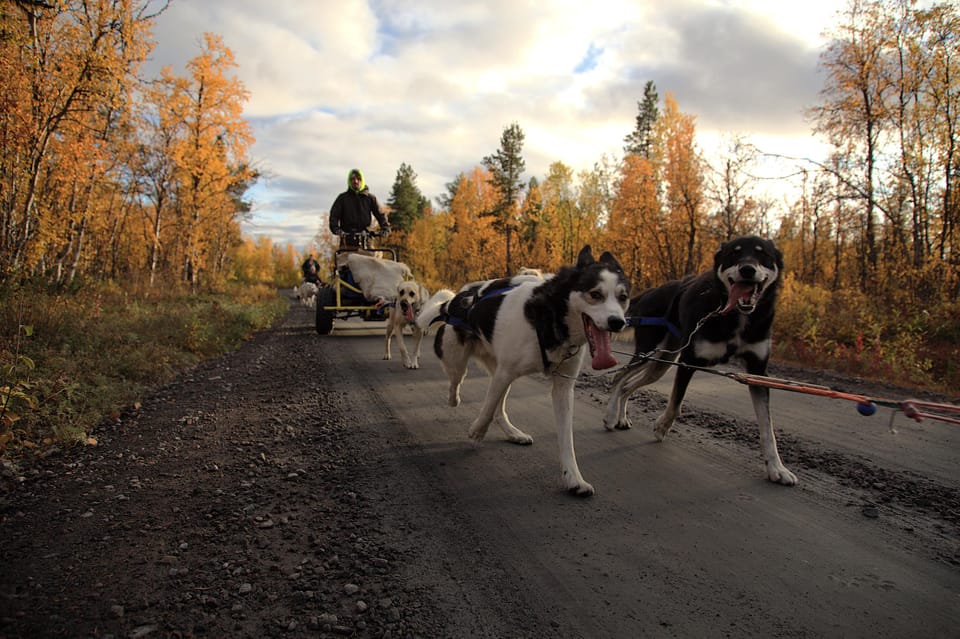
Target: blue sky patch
[(589, 60)]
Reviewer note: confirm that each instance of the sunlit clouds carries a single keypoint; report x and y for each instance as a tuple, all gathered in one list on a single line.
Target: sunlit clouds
[(433, 84)]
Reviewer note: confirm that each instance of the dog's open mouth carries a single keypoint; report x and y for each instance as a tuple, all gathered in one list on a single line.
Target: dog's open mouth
[(743, 296), (599, 341), (407, 309)]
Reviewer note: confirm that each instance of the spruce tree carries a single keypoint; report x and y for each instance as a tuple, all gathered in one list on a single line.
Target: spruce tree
[(406, 202), (640, 140), (506, 167)]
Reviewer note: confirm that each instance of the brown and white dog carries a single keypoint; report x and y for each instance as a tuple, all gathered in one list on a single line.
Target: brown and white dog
[(526, 270), (410, 297)]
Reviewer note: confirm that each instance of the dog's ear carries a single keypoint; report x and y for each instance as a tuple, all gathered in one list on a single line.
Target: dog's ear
[(424, 293), (608, 259), (586, 257), (717, 256), (777, 256)]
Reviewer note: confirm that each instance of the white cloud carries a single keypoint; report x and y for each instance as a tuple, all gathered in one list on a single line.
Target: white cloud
[(433, 84)]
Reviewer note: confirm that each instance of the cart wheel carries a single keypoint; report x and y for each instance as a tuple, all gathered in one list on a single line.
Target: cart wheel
[(325, 297)]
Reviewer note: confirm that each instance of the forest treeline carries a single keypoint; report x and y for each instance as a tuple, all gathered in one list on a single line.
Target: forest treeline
[(109, 176), (105, 174)]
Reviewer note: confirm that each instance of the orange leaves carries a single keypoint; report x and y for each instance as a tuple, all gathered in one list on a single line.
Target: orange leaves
[(634, 218), (68, 72), (199, 143), (425, 250), (658, 212), (475, 249), (86, 146), (682, 175)]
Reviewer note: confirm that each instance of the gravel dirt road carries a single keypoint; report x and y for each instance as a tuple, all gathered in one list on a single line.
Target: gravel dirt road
[(304, 487)]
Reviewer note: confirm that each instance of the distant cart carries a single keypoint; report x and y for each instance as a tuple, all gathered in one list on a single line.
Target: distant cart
[(348, 295)]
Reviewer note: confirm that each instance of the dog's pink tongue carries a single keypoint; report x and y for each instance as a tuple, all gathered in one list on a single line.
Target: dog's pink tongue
[(409, 314), (600, 349), (738, 291)]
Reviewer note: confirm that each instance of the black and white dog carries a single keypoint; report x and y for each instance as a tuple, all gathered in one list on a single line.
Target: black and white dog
[(525, 325), (737, 297)]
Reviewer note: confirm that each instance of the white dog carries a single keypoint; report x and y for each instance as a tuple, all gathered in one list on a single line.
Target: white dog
[(307, 294), (526, 270), (410, 297), (525, 325)]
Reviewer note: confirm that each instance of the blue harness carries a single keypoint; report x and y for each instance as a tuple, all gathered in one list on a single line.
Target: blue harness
[(462, 320), (655, 321)]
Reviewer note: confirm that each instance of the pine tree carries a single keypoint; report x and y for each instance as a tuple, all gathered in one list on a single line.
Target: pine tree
[(641, 139), (406, 202), (506, 167)]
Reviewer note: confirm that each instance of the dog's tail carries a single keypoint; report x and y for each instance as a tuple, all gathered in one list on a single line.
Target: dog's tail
[(433, 308)]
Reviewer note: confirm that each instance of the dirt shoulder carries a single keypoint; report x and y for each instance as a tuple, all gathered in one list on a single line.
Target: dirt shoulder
[(245, 499)]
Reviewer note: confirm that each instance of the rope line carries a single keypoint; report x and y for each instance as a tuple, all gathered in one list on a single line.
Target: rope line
[(915, 409)]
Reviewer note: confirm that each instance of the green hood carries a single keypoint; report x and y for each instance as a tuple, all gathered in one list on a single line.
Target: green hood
[(363, 183)]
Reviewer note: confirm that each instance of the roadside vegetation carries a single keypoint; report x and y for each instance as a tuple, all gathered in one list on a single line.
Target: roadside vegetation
[(69, 360), (864, 336)]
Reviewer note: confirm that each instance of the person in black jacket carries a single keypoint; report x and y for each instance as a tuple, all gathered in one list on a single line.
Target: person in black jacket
[(311, 270), (354, 210)]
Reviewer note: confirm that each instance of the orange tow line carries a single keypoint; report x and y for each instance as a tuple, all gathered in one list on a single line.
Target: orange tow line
[(915, 409)]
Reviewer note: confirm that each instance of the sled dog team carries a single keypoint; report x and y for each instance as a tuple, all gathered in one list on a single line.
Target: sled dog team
[(533, 323)]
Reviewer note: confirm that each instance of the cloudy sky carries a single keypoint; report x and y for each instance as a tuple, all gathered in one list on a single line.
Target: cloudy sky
[(433, 84)]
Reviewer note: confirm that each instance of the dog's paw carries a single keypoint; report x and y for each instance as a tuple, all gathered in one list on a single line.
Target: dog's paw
[(387, 356), (521, 439), (779, 474), (478, 431), (411, 365), (576, 488), (583, 490), (661, 427), (624, 424)]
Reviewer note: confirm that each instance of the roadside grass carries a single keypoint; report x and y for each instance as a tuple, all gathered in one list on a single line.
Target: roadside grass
[(848, 332), (70, 359)]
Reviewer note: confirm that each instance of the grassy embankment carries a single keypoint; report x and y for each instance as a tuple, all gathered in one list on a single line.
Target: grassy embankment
[(69, 360)]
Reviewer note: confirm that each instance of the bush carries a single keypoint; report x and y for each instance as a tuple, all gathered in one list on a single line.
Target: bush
[(845, 331)]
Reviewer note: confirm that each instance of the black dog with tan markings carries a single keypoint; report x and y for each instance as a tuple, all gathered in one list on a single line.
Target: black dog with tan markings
[(705, 320)]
